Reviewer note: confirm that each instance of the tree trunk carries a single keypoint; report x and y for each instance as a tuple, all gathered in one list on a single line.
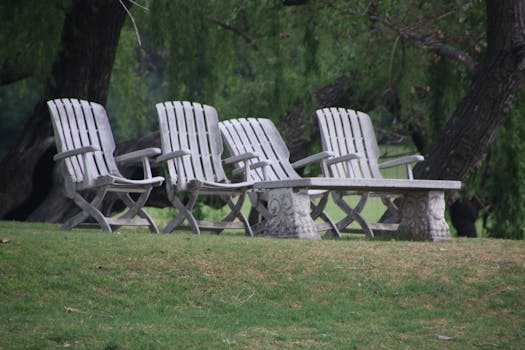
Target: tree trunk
[(498, 82), (339, 93), (29, 188)]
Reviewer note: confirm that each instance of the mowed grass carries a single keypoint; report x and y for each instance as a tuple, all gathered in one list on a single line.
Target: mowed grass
[(135, 290)]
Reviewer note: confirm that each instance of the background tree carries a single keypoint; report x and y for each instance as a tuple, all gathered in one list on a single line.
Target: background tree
[(82, 69), (408, 64)]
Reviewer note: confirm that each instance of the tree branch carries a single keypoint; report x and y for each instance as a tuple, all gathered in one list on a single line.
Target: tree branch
[(423, 41), (236, 30)]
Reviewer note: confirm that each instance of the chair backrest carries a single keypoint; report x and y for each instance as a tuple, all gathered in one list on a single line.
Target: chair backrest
[(259, 136), (193, 127), (346, 131), (79, 123)]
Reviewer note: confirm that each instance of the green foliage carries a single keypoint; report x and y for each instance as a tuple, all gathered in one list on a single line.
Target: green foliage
[(181, 291), (29, 39), (130, 104), (30, 34), (505, 180)]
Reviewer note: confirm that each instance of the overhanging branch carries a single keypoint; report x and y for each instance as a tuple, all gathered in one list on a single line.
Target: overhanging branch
[(423, 41), (236, 30)]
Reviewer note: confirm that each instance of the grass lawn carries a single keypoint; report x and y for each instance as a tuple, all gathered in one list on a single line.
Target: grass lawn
[(134, 290)]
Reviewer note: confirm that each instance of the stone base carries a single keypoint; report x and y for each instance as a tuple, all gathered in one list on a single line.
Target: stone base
[(290, 215), (423, 217)]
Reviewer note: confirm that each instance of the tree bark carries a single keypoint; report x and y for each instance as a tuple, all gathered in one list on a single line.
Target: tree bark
[(497, 83), (29, 188), (339, 93)]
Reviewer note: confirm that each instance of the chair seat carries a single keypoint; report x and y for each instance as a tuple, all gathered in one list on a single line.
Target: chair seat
[(217, 186), (112, 180)]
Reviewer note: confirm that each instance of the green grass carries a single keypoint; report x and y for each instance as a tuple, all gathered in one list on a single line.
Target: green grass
[(134, 290)]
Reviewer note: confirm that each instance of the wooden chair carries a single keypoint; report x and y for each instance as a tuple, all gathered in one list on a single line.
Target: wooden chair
[(85, 145), (349, 136), (191, 153), (260, 154)]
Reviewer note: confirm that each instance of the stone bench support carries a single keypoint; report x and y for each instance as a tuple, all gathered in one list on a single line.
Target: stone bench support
[(422, 212)]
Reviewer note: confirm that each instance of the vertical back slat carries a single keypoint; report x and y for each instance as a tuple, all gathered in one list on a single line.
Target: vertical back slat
[(277, 144), (359, 143), (182, 134), (245, 133), (204, 142), (213, 140), (346, 131), (346, 135), (370, 143), (91, 122), (105, 136), (74, 167), (257, 137), (193, 143), (165, 139)]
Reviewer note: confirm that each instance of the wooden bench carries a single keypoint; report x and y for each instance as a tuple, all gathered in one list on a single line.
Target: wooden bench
[(422, 211)]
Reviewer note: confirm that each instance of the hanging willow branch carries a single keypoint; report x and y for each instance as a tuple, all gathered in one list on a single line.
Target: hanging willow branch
[(133, 19), (423, 41), (236, 30)]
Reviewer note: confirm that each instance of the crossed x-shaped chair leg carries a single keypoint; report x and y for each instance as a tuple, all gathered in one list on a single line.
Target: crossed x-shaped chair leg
[(92, 209)]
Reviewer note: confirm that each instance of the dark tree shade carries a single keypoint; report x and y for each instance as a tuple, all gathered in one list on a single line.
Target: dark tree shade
[(82, 69), (497, 83)]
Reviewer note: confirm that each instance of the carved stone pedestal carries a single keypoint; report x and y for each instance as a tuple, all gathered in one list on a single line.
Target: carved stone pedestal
[(290, 215), (423, 217)]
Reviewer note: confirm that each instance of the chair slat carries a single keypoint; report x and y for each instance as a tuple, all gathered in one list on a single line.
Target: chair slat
[(358, 139), (276, 142), (165, 121), (261, 145), (354, 165), (85, 108), (214, 140), (370, 144), (73, 165), (182, 135), (193, 142)]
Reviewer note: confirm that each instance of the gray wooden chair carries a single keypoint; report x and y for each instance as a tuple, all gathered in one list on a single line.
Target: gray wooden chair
[(191, 153), (85, 145), (259, 153), (346, 133)]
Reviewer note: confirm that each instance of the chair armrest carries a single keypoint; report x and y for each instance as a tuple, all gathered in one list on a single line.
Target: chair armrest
[(245, 172), (75, 152), (173, 155), (138, 155), (343, 158), (240, 158), (315, 158), (401, 161)]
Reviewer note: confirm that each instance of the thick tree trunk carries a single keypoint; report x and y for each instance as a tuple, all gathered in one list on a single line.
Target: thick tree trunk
[(29, 188), (339, 93), (498, 82)]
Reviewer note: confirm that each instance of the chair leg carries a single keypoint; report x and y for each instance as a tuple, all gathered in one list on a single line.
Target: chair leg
[(259, 204), (89, 209), (317, 210), (352, 214), (137, 208), (235, 212), (184, 213)]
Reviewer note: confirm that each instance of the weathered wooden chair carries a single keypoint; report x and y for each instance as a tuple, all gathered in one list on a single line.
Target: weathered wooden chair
[(191, 153), (261, 154), (345, 133), (85, 145)]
